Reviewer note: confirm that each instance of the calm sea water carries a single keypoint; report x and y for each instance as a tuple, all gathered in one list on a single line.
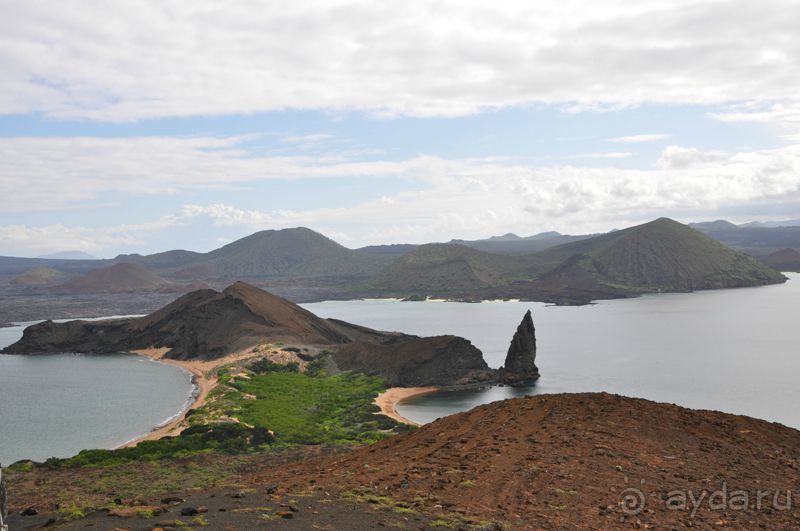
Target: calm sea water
[(730, 350), (59, 404)]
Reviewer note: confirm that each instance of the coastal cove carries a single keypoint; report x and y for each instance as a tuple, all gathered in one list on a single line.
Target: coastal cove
[(702, 350), (56, 405), (733, 350)]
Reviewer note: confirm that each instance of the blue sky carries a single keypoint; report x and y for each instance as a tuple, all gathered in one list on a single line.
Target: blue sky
[(122, 131)]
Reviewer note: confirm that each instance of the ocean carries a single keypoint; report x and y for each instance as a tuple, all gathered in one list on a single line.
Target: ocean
[(734, 350), (56, 405)]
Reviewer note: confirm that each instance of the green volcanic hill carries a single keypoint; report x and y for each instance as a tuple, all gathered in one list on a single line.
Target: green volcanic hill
[(662, 255), (441, 268), (288, 253)]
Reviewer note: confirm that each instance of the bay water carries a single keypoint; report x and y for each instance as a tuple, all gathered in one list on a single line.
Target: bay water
[(55, 405), (734, 350)]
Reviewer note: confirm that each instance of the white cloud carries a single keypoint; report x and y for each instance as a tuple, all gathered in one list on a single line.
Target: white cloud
[(465, 198), (38, 173), (638, 139), (465, 201), (22, 240), (678, 157), (119, 60)]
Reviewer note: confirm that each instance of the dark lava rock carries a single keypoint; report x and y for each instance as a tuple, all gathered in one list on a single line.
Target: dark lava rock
[(172, 500), (192, 511), (206, 324), (30, 511), (411, 361), (520, 364)]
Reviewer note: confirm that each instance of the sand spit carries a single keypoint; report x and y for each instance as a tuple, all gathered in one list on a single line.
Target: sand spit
[(203, 377), (389, 399)]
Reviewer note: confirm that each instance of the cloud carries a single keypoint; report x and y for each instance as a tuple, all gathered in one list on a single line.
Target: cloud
[(122, 61), (638, 139), (22, 240), (783, 117), (476, 199), (451, 198), (677, 157), (40, 173)]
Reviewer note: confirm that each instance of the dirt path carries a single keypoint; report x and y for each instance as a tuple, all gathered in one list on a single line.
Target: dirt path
[(389, 399)]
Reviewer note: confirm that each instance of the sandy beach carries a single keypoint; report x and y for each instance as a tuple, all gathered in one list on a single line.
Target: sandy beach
[(204, 378), (388, 400)]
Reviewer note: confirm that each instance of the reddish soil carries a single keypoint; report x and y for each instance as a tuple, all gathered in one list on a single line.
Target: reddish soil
[(560, 461), (542, 462)]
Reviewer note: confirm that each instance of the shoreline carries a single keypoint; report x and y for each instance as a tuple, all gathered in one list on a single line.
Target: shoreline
[(204, 380), (389, 399)]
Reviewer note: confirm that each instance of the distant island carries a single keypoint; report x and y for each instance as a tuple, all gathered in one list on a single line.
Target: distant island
[(660, 256), (305, 266)]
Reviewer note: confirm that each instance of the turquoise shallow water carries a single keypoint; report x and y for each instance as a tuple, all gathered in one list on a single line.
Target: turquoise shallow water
[(59, 404), (731, 350)]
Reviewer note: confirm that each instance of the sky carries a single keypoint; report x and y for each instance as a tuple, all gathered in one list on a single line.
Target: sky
[(153, 125)]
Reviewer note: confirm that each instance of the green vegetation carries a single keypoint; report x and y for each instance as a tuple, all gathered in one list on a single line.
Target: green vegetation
[(275, 406), (264, 365), (227, 438), (314, 410), (317, 367)]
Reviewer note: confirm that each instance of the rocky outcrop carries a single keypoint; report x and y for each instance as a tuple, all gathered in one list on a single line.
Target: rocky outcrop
[(203, 324), (520, 365), (207, 324), (410, 361)]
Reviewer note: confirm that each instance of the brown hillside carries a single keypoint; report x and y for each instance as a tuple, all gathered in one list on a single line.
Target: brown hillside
[(118, 278), (207, 324), (783, 260), (416, 361), (565, 461), (39, 276)]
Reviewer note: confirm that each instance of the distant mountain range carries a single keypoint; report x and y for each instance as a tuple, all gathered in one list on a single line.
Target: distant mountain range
[(783, 260), (662, 255), (517, 245), (756, 239), (118, 278), (69, 255), (288, 253)]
